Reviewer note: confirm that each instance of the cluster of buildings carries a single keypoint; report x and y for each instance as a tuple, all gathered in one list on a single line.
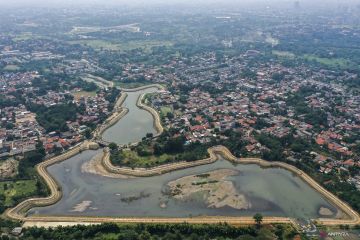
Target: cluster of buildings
[(19, 128), (209, 96)]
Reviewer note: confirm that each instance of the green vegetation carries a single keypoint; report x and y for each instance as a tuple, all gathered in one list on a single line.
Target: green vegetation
[(332, 62), (258, 219), (17, 189), (132, 158), (169, 231), (283, 54), (131, 84), (11, 68), (165, 149), (121, 46), (27, 183), (54, 118), (165, 110)]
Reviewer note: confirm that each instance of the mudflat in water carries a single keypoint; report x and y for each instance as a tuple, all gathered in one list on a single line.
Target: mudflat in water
[(134, 125), (271, 191)]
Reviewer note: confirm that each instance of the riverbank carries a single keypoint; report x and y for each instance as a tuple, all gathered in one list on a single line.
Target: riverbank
[(117, 114), (158, 86), (353, 216), (120, 112), (157, 122)]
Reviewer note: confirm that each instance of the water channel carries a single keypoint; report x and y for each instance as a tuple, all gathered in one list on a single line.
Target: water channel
[(134, 125)]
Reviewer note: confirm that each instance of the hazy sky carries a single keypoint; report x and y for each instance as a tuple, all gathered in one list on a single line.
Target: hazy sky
[(106, 2)]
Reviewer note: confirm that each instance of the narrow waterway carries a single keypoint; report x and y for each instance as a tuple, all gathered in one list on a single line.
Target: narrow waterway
[(134, 125)]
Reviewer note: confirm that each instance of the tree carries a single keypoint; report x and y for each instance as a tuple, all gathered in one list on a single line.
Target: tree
[(258, 219), (87, 133), (113, 147)]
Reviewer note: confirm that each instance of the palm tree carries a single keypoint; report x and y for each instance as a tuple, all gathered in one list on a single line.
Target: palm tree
[(258, 219)]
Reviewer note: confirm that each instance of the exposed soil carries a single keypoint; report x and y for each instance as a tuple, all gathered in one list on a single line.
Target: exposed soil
[(212, 187), (94, 166), (323, 211), (81, 207), (8, 168)]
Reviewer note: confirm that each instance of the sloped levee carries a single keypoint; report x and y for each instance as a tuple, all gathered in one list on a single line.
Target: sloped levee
[(19, 211), (353, 216)]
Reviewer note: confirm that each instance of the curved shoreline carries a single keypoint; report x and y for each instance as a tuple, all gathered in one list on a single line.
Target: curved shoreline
[(221, 150), (118, 113), (157, 123), (158, 86), (19, 211)]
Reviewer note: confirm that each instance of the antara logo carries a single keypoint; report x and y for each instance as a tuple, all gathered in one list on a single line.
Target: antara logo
[(324, 235)]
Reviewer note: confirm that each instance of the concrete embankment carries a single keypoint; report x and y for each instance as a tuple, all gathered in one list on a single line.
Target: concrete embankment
[(110, 122), (117, 114), (157, 123), (158, 86), (18, 211), (147, 172), (352, 216), (69, 220)]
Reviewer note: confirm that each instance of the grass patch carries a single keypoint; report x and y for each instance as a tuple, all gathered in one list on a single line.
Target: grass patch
[(78, 95), (17, 189), (165, 110), (132, 159), (131, 84), (284, 54), (11, 68), (24, 36), (332, 62), (116, 46)]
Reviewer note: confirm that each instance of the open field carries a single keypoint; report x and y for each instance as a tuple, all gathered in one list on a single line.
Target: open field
[(117, 46), (131, 84), (78, 95), (17, 189), (283, 54), (133, 159), (333, 62), (165, 110), (128, 27), (11, 68)]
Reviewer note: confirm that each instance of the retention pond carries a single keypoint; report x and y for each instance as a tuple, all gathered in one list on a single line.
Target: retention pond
[(220, 188)]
